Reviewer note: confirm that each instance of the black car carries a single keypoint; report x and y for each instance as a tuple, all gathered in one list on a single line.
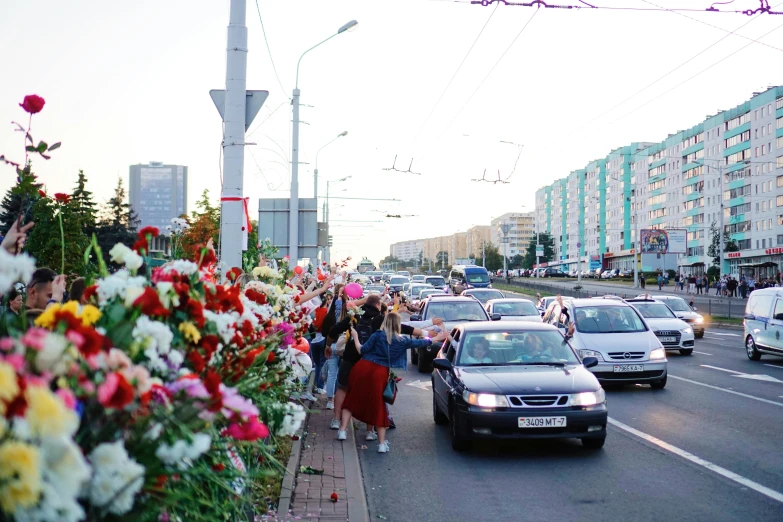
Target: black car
[(516, 381), (554, 272), (396, 282)]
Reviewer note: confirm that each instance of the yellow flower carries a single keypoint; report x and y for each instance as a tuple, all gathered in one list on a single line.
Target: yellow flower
[(72, 307), (190, 332), (90, 315), (47, 414), (20, 474), (46, 319), (8, 385)]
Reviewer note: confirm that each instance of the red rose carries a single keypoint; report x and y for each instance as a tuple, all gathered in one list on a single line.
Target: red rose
[(41, 193), (150, 304), (149, 231), (234, 274), (333, 497), (197, 361), (94, 342), (33, 103), (62, 198)]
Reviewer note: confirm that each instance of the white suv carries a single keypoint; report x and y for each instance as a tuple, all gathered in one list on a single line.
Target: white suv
[(674, 333)]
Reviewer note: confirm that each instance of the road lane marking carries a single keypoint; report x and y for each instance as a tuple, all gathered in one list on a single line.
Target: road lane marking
[(721, 369), (728, 391), (702, 353), (422, 385), (746, 482), (726, 334), (774, 366), (742, 375)]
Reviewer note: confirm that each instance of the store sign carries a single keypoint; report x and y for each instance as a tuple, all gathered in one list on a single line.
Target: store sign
[(595, 262), (771, 251), (732, 255), (608, 254)]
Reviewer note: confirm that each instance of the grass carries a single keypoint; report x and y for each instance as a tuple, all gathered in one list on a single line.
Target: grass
[(725, 320), (268, 487), (519, 290)]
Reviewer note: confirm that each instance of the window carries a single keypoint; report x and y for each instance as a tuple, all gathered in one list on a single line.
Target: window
[(692, 173), (736, 210), (779, 123), (779, 103), (734, 140), (693, 140), (743, 244), (693, 156), (779, 162), (693, 220), (696, 251), (695, 203), (696, 234), (737, 192), (738, 174), (780, 239), (656, 185), (736, 122), (696, 187), (739, 227), (738, 156), (660, 169)]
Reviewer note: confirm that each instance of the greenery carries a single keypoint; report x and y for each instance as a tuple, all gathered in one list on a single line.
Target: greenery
[(494, 260), (45, 242), (117, 222), (549, 252), (86, 209), (204, 225), (729, 245)]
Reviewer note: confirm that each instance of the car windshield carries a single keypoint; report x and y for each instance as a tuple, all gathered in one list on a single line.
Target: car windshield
[(477, 277), (398, 280), (515, 308), (678, 305), (376, 288), (608, 319), (436, 281), (417, 290), (456, 311), (426, 292), (418, 278), (515, 348), (654, 311), (485, 295)]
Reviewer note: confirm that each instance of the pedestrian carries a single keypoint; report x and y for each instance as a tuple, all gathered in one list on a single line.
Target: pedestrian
[(682, 282), (318, 345), (370, 375), (337, 311), (9, 317), (699, 284), (642, 282), (76, 292), (676, 281), (660, 282)]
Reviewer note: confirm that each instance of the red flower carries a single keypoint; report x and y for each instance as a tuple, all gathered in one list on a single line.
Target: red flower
[(90, 292), (248, 430), (59, 197), (255, 296), (210, 345), (196, 361), (271, 357), (115, 392), (207, 256), (234, 274), (141, 246), (33, 103), (41, 193), (219, 467), (151, 231), (333, 497), (94, 342), (150, 303), (212, 384), (196, 312)]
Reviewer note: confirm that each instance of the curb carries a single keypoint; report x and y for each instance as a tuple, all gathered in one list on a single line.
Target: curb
[(726, 326), (358, 510), (287, 488)]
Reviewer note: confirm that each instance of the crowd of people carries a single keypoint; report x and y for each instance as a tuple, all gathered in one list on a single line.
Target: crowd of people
[(725, 285)]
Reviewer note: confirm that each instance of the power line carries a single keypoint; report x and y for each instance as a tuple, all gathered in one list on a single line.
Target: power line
[(285, 93), (456, 72), (763, 8), (490, 71)]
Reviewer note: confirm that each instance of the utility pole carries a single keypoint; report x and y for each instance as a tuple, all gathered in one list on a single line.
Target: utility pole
[(505, 228)]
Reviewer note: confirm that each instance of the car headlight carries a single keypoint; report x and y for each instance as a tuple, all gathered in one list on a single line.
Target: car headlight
[(657, 354), (687, 330), (485, 400), (588, 398), (699, 320), (590, 353)]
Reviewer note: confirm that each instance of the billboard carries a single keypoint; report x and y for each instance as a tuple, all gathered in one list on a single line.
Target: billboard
[(655, 241), (595, 262)]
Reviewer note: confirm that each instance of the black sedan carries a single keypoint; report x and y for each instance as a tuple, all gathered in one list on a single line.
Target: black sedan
[(516, 380)]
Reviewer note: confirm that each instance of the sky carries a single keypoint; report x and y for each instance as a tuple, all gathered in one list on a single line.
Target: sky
[(128, 82)]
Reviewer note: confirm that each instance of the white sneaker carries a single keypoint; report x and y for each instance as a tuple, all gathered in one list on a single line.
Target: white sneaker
[(371, 435), (320, 391), (342, 435), (383, 447), (329, 405), (334, 425)]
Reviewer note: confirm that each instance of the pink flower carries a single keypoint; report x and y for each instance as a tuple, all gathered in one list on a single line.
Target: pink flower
[(34, 338), (118, 360), (75, 337), (6, 344), (138, 376), (233, 402), (115, 391), (34, 380), (251, 429), (193, 387), (14, 359), (68, 397)]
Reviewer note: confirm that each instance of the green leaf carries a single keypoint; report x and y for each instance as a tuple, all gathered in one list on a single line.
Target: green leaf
[(122, 334), (116, 312), (42, 146), (30, 148), (55, 146)]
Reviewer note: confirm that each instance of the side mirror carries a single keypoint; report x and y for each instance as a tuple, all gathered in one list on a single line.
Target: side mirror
[(495, 317), (416, 317), (589, 362), (445, 364)]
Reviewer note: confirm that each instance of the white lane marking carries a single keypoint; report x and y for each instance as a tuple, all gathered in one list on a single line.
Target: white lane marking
[(728, 391), (774, 366), (746, 482), (422, 385), (726, 334), (702, 353), (720, 369), (741, 375)]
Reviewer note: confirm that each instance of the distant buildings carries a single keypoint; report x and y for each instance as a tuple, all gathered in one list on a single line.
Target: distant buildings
[(407, 250), (158, 192), (521, 231)]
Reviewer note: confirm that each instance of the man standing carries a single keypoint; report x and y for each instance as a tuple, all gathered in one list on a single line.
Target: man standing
[(45, 288)]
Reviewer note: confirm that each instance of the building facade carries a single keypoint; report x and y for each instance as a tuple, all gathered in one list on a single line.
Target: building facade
[(407, 250), (726, 171), (158, 193), (520, 233)]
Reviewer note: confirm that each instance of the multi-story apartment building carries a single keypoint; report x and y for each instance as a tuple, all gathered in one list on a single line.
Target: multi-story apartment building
[(158, 193), (407, 250), (478, 237), (520, 233), (725, 170)]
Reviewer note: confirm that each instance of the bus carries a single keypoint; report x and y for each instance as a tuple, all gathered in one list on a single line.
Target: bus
[(365, 265)]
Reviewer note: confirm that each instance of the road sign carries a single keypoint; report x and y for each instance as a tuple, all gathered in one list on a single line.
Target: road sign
[(253, 102), (539, 251), (579, 245)]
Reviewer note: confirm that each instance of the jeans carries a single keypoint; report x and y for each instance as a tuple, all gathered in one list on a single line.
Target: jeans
[(317, 353), (332, 363)]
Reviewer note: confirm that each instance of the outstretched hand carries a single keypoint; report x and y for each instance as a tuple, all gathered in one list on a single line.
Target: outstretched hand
[(16, 236)]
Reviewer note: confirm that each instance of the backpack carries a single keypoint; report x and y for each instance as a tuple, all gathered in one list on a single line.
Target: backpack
[(364, 329)]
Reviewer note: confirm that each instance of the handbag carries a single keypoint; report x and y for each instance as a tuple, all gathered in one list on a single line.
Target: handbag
[(390, 391)]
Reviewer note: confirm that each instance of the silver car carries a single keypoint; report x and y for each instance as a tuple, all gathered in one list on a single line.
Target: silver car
[(513, 309)]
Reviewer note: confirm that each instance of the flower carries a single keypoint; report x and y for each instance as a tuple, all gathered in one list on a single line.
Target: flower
[(123, 255), (33, 103), (9, 388), (116, 479), (20, 475), (90, 315), (251, 429), (115, 392), (150, 304), (190, 332), (51, 356), (149, 231), (62, 198), (181, 454), (41, 193), (14, 269), (333, 497), (47, 414)]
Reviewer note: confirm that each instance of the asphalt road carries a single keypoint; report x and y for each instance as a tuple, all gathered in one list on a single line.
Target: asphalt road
[(707, 447)]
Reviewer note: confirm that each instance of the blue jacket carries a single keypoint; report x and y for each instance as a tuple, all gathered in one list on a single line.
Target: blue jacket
[(378, 351)]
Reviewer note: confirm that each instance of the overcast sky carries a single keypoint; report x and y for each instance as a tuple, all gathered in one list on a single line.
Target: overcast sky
[(128, 82)]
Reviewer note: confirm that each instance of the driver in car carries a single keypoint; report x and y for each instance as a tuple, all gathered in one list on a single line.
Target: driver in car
[(478, 352), (535, 350)]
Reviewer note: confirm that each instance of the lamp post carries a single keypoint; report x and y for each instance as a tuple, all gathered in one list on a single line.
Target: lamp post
[(315, 172), (293, 219)]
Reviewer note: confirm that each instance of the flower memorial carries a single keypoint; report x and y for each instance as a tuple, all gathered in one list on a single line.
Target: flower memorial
[(161, 396)]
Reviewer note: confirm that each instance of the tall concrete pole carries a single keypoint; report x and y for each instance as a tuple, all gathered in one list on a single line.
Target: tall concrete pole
[(232, 211), (293, 219)]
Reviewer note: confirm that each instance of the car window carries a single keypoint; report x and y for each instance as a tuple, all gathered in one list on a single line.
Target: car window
[(654, 311), (608, 319), (456, 311), (436, 281), (518, 308), (485, 295), (398, 280), (778, 313), (678, 305), (759, 305), (416, 291), (477, 277), (504, 348)]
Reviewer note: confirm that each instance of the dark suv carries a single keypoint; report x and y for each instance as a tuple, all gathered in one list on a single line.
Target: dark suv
[(554, 272)]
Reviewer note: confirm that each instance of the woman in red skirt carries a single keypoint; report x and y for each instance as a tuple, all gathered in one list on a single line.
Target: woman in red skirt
[(368, 378)]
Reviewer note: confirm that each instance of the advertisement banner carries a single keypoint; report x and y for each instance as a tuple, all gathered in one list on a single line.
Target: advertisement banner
[(595, 262), (656, 241)]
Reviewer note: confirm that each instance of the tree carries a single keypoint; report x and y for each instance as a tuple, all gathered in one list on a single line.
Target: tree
[(12, 207), (45, 240), (86, 208), (117, 223), (516, 262), (494, 259), (530, 255), (391, 262), (729, 245), (204, 225)]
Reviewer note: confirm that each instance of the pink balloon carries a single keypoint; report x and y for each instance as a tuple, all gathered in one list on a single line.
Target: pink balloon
[(298, 270), (353, 290)]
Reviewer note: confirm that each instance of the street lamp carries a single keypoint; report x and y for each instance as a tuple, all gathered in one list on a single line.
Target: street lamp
[(293, 220), (315, 172)]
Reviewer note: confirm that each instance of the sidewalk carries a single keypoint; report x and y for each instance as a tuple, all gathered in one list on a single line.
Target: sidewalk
[(311, 499)]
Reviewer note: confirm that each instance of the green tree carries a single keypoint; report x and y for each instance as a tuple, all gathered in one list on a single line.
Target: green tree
[(729, 245), (118, 222), (87, 210), (494, 259), (250, 256), (204, 225), (516, 262), (530, 255), (11, 207), (45, 243)]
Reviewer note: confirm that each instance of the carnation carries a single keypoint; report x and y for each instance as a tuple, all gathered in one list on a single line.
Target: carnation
[(116, 285), (116, 480), (181, 454), (156, 338), (226, 323), (14, 269), (122, 255), (293, 419)]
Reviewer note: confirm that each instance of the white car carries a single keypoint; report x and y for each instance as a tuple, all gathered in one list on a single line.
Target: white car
[(513, 309), (615, 333), (674, 333)]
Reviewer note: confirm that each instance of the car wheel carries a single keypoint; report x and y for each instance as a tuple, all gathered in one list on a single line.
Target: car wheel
[(699, 335), (686, 351), (423, 365), (414, 357), (750, 349), (458, 443), (440, 418), (659, 385), (594, 443)]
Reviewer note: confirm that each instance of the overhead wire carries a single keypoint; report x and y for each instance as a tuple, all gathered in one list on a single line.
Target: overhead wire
[(763, 8), (269, 51)]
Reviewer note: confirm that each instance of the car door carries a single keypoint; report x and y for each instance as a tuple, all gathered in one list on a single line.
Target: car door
[(442, 380), (774, 335)]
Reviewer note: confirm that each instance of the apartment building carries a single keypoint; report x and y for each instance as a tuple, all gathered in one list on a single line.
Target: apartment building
[(407, 250), (726, 170), (520, 233)]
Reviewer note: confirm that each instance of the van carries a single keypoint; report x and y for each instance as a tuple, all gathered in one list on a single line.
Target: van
[(764, 323), (463, 277)]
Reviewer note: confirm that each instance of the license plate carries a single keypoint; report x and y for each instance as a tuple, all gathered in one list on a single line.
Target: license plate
[(542, 422), (622, 368), (668, 339)]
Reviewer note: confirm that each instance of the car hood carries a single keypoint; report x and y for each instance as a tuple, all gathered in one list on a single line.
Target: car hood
[(657, 324), (526, 318), (687, 315), (636, 341), (508, 380)]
